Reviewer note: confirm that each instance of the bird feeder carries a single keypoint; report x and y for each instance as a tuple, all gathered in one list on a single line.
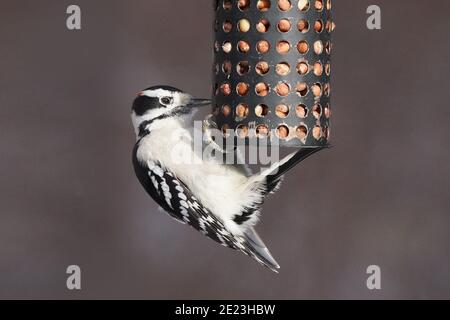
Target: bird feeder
[(272, 70)]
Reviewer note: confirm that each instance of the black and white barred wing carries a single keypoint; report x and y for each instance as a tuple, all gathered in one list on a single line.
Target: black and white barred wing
[(185, 207)]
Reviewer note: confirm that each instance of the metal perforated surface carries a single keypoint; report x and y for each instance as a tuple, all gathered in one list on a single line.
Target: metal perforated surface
[(237, 104)]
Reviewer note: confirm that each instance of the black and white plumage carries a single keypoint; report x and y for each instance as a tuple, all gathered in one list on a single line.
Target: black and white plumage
[(220, 201)]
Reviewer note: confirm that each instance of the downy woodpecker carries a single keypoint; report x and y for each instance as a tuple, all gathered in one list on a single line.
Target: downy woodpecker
[(219, 200)]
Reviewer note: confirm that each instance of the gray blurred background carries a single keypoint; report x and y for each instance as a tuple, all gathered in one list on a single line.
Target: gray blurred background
[(68, 194)]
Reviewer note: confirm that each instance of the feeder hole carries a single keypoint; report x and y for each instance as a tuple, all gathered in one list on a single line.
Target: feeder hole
[(318, 47), (317, 89), (318, 68), (327, 112), (227, 5), (284, 5), (283, 69), (226, 110), (244, 25), (284, 25), (330, 26), (282, 132), (328, 47), (225, 88), (283, 47), (261, 110), (319, 5), (303, 47), (302, 111), (262, 89), (242, 131), (243, 67), (242, 88), (318, 26), (302, 89), (283, 89), (263, 26), (243, 46), (303, 5), (227, 26), (226, 47), (226, 67), (263, 5), (303, 26), (242, 110), (262, 131), (262, 68), (303, 68), (243, 4), (317, 110), (327, 89), (263, 46), (317, 132), (302, 132), (282, 111), (328, 69), (326, 132)]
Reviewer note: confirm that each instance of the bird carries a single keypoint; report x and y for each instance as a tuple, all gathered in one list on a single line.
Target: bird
[(223, 202)]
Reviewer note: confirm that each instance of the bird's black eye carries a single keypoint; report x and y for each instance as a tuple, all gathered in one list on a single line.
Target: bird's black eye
[(166, 100)]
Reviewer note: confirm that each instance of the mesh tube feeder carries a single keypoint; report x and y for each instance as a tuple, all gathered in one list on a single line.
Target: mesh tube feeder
[(272, 70)]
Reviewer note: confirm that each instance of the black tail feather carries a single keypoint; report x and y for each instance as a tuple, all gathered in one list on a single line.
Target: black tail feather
[(273, 178)]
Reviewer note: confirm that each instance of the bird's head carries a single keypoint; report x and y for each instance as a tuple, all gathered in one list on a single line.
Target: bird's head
[(162, 102)]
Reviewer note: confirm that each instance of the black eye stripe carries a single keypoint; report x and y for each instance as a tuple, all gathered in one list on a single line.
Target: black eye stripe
[(143, 103)]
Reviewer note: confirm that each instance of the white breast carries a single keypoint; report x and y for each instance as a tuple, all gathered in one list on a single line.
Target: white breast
[(222, 189)]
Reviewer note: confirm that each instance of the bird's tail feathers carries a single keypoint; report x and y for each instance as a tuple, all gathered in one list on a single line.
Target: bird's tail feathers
[(273, 179), (259, 251), (276, 172)]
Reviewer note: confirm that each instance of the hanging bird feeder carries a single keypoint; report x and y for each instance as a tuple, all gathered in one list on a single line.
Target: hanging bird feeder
[(272, 70)]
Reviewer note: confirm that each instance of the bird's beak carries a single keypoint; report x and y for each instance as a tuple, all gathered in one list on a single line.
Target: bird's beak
[(195, 103)]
